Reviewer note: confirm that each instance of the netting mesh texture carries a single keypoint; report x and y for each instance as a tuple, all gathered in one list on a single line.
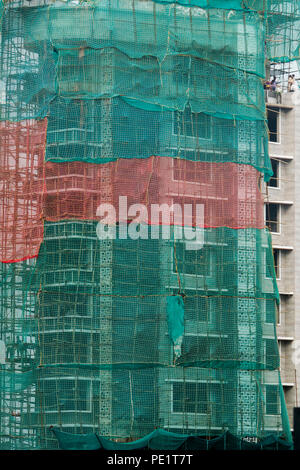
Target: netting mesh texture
[(60, 343), (22, 147), (161, 103)]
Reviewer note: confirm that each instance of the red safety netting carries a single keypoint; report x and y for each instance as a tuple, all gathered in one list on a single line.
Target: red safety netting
[(228, 192), (22, 149), (142, 190)]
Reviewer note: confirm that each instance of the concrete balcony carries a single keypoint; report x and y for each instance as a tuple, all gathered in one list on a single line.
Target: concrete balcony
[(285, 100), (69, 277), (74, 323), (54, 418)]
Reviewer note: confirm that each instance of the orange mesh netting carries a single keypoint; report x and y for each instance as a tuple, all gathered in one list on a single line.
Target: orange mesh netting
[(22, 148), (228, 191), (32, 190)]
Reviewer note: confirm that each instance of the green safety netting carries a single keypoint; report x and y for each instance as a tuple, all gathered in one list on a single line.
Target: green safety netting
[(232, 41), (139, 285), (163, 440), (75, 66), (76, 132), (171, 83), (93, 313), (257, 5), (16, 382), (170, 30), (175, 319), (224, 399), (216, 394), (143, 80)]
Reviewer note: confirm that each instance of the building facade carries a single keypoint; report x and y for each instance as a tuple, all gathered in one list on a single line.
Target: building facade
[(281, 197)]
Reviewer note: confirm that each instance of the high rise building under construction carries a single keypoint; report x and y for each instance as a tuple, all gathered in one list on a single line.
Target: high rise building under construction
[(138, 292)]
